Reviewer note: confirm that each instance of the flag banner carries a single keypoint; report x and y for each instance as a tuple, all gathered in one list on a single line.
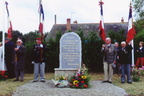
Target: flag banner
[(10, 30), (41, 12), (101, 27), (9, 22), (131, 30)]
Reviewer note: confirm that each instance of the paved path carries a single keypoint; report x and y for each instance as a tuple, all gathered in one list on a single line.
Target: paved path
[(48, 89)]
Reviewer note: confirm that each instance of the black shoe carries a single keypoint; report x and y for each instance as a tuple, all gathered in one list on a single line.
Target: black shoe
[(15, 80), (122, 82), (110, 82), (105, 81), (21, 80), (129, 82), (35, 81), (42, 80)]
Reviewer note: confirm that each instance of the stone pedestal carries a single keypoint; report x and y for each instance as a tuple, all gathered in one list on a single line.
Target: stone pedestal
[(64, 72)]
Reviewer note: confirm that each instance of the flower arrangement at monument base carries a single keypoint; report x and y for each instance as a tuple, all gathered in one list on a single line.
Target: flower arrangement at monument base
[(3, 75), (61, 82), (80, 80)]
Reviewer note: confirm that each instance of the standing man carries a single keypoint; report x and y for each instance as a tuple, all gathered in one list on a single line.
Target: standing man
[(9, 57), (38, 55), (20, 51), (125, 61), (117, 70), (109, 56)]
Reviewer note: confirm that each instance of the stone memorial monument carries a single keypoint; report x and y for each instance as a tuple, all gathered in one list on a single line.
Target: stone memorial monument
[(70, 55)]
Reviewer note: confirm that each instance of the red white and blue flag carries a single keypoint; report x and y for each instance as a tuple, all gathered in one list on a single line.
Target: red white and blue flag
[(131, 30), (101, 27), (41, 12), (9, 22)]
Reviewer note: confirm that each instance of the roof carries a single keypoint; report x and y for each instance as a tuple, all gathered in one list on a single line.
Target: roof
[(87, 27)]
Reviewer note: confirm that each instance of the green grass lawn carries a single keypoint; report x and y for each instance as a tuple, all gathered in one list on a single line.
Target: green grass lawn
[(136, 89)]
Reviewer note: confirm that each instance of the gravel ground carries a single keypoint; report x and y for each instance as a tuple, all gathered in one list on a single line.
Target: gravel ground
[(48, 89)]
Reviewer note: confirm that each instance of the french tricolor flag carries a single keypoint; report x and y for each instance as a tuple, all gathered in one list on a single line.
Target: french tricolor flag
[(101, 27), (131, 30), (9, 22), (41, 11)]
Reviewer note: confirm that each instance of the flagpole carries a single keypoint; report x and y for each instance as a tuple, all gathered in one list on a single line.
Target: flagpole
[(39, 12), (3, 36), (132, 44), (131, 33)]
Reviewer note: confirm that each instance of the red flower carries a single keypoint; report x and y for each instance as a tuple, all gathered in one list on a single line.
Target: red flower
[(3, 72), (73, 79), (79, 75), (76, 85), (82, 81), (85, 86), (79, 78)]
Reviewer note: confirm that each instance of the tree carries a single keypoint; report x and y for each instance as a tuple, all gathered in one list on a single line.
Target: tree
[(139, 13), (15, 35), (139, 8)]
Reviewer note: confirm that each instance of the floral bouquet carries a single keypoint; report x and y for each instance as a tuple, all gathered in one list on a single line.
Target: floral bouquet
[(136, 73), (3, 75), (80, 79), (61, 82)]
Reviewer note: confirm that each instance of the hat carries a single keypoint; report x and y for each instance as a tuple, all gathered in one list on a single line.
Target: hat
[(38, 38), (19, 40)]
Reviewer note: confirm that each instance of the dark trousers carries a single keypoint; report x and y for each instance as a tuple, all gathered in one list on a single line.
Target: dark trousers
[(19, 73), (125, 70), (10, 69)]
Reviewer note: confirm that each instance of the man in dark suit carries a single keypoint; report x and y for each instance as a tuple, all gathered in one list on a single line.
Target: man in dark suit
[(20, 51), (125, 61), (9, 57), (109, 56), (39, 56)]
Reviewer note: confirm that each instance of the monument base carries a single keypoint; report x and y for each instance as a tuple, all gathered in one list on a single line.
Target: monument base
[(64, 72)]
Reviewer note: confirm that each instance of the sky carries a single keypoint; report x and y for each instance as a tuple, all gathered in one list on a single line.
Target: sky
[(25, 17)]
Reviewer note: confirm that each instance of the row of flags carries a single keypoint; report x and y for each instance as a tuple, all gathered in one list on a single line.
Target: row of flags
[(131, 30), (130, 34), (41, 21)]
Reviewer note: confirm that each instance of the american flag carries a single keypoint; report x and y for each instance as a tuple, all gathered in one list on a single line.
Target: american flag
[(101, 27)]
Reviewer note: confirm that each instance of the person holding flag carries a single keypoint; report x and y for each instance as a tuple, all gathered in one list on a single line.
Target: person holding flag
[(39, 50), (9, 57), (124, 59), (38, 59), (126, 53)]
